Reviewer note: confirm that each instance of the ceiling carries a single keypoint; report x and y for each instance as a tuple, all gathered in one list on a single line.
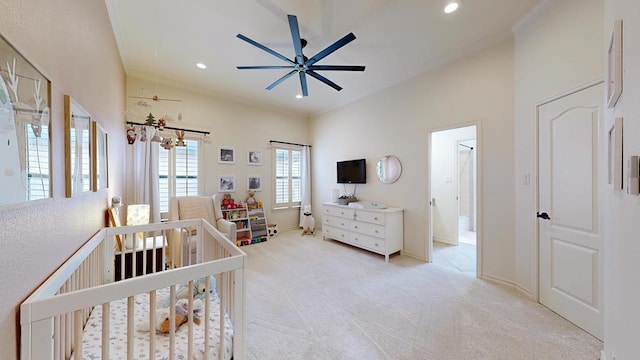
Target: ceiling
[(162, 40)]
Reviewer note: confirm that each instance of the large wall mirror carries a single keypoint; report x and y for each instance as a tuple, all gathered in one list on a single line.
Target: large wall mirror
[(389, 169), (99, 161), (77, 145), (25, 142)]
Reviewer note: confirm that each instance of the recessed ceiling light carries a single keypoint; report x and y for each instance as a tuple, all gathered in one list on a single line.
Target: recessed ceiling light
[(201, 66), (298, 96), (451, 7)]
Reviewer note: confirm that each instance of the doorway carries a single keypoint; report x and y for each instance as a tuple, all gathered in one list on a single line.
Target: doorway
[(453, 183)]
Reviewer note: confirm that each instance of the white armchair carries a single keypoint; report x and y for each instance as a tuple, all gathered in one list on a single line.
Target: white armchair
[(184, 248)]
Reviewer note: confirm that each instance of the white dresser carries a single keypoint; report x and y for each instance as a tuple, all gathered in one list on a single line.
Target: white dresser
[(379, 231)]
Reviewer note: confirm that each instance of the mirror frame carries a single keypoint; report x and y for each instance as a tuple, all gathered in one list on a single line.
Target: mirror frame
[(26, 93), (99, 158), (397, 167), (72, 113)]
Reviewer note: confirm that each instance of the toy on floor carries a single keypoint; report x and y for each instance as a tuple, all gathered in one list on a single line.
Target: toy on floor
[(308, 222)]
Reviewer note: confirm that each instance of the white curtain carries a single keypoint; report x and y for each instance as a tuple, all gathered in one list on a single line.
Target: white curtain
[(305, 199), (145, 174)]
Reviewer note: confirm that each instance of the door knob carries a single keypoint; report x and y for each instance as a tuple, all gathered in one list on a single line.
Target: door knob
[(543, 216)]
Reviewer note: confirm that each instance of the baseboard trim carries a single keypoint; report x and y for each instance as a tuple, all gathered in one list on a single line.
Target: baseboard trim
[(524, 291), (498, 280), (414, 256)]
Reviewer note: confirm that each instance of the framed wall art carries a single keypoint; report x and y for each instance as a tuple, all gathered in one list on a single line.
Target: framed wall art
[(614, 155), (226, 155), (254, 157), (99, 158), (77, 148), (226, 183), (254, 183), (614, 65), (25, 120)]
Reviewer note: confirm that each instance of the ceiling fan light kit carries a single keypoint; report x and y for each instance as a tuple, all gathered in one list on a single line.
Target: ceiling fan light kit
[(301, 65), (451, 7)]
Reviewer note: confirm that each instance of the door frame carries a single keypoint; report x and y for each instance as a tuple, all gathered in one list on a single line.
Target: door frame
[(479, 227), (535, 291)]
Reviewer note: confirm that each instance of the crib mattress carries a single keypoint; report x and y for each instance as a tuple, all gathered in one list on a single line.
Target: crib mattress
[(92, 337)]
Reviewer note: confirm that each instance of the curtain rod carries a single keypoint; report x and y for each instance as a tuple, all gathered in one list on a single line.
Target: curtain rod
[(288, 143), (171, 128)]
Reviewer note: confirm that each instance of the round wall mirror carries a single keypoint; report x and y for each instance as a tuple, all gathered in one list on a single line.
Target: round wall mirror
[(389, 169)]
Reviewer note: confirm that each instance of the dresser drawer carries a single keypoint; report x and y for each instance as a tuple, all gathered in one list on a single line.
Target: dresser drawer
[(337, 222), (339, 212), (369, 242), (368, 229), (335, 233), (370, 217)]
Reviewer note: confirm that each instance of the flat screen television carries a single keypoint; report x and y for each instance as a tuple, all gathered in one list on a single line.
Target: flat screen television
[(352, 171)]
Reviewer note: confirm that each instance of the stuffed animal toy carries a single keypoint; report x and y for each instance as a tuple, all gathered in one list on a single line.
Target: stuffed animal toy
[(182, 315), (308, 222), (251, 201), (183, 291)]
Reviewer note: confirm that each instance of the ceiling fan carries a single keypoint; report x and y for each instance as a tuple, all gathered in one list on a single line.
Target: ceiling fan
[(154, 98), (302, 65)]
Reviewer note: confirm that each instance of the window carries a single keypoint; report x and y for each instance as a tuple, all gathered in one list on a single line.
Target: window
[(178, 172), (288, 181)]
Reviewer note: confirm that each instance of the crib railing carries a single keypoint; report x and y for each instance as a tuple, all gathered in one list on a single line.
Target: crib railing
[(53, 317)]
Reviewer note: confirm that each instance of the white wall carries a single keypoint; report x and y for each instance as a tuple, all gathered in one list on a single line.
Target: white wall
[(444, 182), (397, 121), (234, 124), (622, 211), (555, 51), (72, 43)]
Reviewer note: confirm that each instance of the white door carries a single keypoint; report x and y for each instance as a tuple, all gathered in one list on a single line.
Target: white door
[(570, 253)]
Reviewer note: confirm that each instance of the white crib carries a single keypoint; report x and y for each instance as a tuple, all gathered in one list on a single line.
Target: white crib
[(53, 318)]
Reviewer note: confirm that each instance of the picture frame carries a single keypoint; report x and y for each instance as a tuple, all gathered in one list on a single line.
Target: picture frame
[(99, 158), (254, 183), (254, 157), (226, 183), (615, 156), (26, 107), (614, 65), (226, 155), (77, 148)]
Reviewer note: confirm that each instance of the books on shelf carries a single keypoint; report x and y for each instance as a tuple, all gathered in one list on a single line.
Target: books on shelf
[(251, 224)]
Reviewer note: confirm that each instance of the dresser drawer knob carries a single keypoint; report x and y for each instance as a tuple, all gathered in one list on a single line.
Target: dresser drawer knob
[(376, 244), (375, 218), (376, 231), (356, 226)]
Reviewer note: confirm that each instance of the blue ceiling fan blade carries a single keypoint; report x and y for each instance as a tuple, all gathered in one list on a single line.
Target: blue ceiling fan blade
[(265, 67), (303, 83), (260, 46), (295, 36), (330, 49), (275, 83), (324, 80), (337, 67)]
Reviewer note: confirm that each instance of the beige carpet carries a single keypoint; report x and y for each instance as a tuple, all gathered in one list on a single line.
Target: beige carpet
[(309, 298)]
